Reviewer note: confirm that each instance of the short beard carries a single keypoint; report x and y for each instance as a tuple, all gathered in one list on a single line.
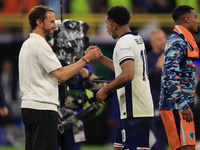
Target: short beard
[(47, 34), (48, 37)]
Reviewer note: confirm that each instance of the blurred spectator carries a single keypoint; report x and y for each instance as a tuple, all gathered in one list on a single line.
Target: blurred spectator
[(10, 84), (155, 63), (3, 112), (138, 7), (15, 7), (157, 6), (98, 6), (66, 140), (18, 6), (12, 6), (29, 4), (9, 81), (3, 105)]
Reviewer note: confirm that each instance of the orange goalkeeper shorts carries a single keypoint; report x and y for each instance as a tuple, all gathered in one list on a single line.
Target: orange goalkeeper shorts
[(179, 132)]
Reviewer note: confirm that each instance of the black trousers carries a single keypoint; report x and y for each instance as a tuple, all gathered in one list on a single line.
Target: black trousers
[(40, 129)]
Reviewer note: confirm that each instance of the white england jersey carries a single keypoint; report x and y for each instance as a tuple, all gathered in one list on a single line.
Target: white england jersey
[(135, 99)]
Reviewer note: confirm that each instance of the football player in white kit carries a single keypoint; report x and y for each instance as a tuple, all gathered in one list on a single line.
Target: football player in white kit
[(132, 84)]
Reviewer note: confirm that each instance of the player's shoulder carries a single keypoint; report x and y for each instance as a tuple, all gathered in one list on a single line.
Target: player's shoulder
[(176, 40), (130, 35), (132, 38)]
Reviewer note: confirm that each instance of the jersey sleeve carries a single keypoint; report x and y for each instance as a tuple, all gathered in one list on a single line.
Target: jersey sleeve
[(48, 59), (172, 74), (124, 52)]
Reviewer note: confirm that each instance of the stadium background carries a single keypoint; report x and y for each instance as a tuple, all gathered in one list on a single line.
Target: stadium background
[(14, 29)]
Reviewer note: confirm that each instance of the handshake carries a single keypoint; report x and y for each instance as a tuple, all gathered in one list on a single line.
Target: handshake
[(92, 53)]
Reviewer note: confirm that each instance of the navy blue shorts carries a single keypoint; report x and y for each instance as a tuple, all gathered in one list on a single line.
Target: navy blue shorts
[(133, 133)]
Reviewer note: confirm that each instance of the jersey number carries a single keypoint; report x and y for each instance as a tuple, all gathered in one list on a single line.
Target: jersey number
[(145, 65)]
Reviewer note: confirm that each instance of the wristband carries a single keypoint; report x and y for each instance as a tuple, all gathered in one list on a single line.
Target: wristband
[(90, 73), (85, 60)]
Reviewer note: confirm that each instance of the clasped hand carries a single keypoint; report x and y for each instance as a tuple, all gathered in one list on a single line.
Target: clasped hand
[(95, 51)]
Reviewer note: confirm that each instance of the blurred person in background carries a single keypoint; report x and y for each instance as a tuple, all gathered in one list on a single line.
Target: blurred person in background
[(98, 6), (178, 80), (15, 7), (3, 105), (155, 62), (4, 111), (153, 6), (66, 140), (10, 84), (18, 6)]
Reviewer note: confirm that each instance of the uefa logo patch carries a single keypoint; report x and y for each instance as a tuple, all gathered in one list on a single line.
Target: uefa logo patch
[(125, 49), (191, 135)]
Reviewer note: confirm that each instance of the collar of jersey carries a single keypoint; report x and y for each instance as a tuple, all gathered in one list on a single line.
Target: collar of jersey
[(37, 36), (133, 33), (192, 48)]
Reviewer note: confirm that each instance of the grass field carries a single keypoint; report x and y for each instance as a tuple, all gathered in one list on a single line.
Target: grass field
[(82, 148)]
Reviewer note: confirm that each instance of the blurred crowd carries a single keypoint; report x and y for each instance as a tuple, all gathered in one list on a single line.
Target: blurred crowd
[(96, 6)]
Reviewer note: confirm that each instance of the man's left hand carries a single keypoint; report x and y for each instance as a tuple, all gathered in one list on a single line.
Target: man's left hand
[(187, 115)]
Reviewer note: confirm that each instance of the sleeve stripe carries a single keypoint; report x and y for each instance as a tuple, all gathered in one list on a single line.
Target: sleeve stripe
[(126, 57), (125, 60), (118, 145)]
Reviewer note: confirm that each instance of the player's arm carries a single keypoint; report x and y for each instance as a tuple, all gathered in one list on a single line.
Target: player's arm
[(64, 73), (106, 62), (103, 59), (123, 79)]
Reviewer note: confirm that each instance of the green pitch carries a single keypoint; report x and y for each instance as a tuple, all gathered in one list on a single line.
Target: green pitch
[(82, 148)]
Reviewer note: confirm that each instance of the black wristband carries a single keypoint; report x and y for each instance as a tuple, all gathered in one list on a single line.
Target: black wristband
[(85, 60), (90, 73)]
